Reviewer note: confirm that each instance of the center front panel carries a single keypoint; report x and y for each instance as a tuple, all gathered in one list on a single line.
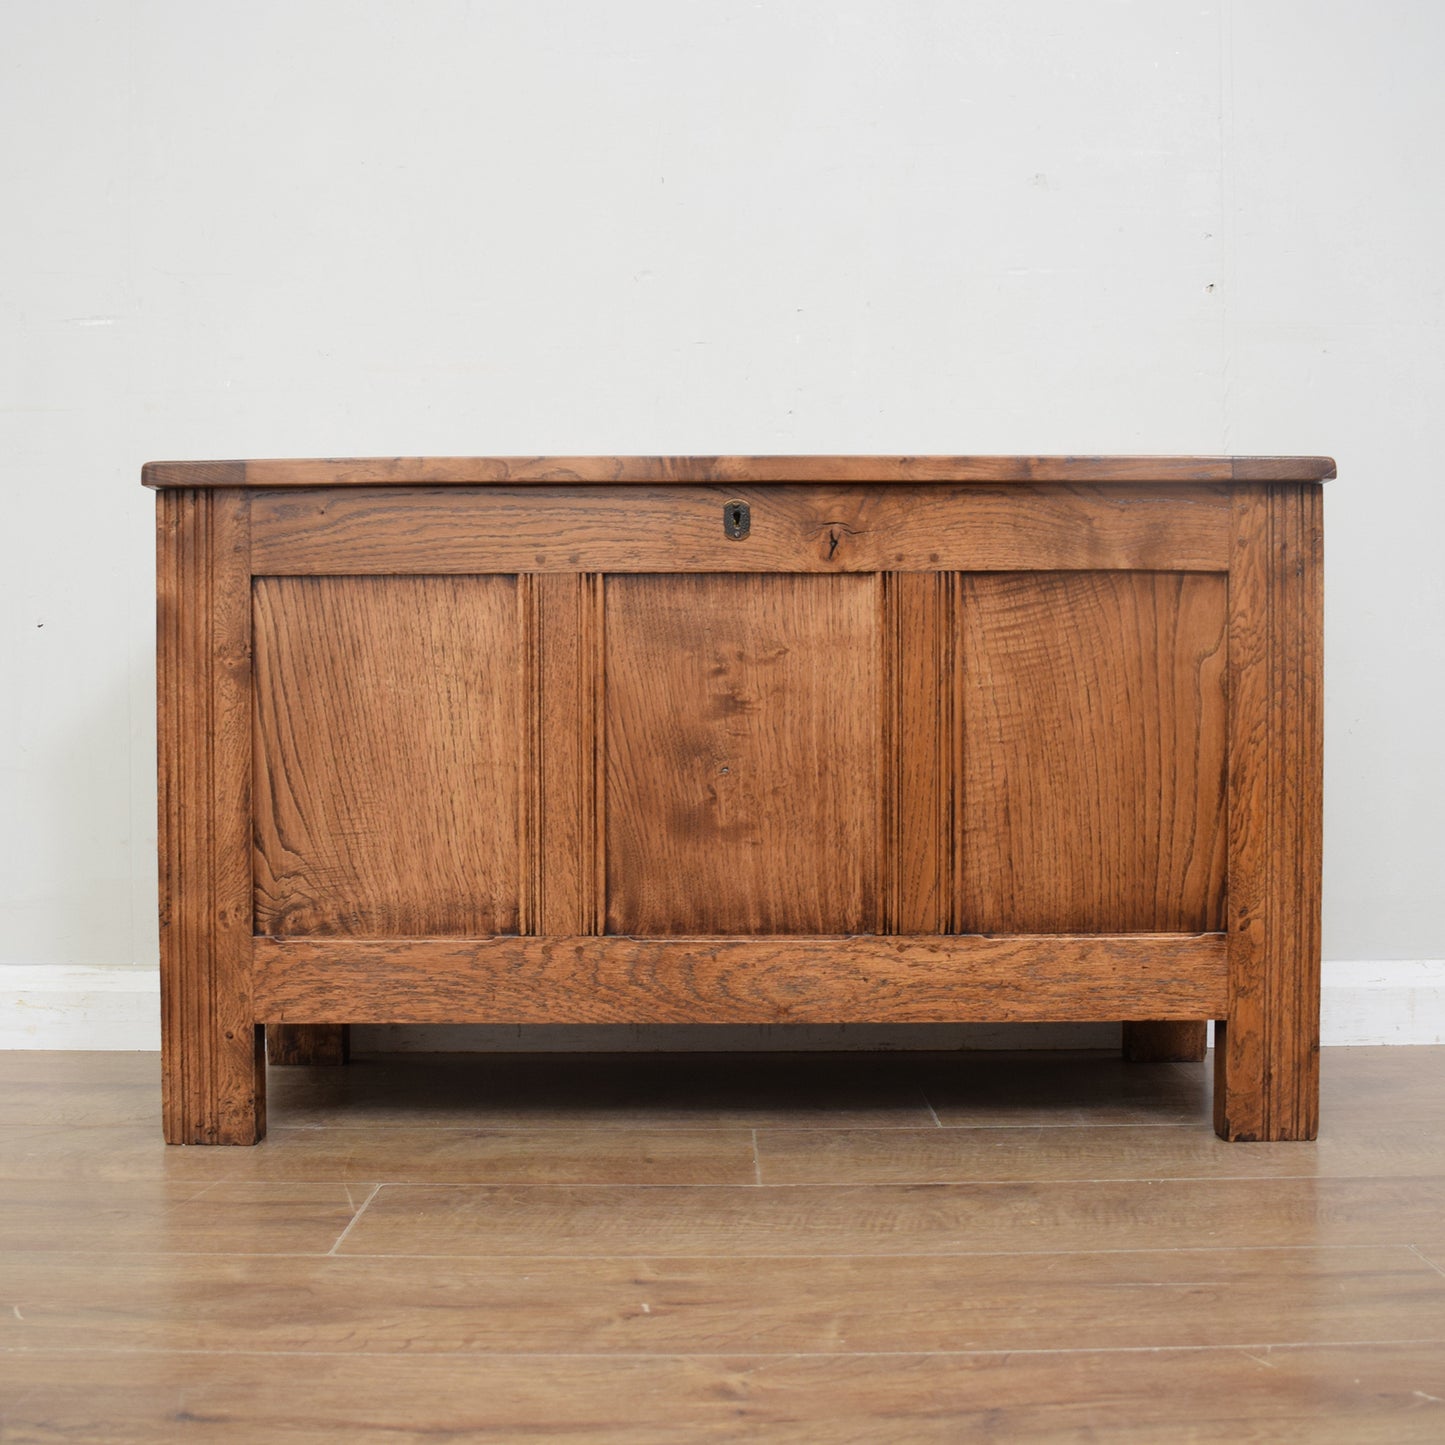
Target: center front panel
[(743, 752)]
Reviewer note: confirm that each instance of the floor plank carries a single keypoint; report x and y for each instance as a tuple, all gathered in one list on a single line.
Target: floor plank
[(60, 1090), (1033, 1090), (127, 1150), (1370, 1085), (1431, 1246), (654, 1248), (1361, 1394), (356, 1153), (810, 1305), (169, 1217), (960, 1155), (888, 1219)]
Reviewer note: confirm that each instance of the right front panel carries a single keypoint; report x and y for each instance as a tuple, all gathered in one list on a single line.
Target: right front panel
[(1091, 794)]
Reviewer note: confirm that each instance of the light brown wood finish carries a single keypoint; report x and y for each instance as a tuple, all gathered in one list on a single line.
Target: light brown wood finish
[(1267, 1057), (798, 776), (923, 717), (1157, 1041), (795, 528), (69, 1094), (903, 1219), (308, 1043), (1094, 746), (357, 1156), (760, 979), (1325, 1395), (448, 471), (158, 1215), (421, 1139), (1115, 682), (566, 672), (146, 1308), (764, 1306), (214, 1051), (743, 755), (1089, 1148), (389, 724)]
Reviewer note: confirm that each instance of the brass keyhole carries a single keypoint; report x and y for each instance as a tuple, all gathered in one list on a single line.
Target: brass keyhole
[(737, 520)]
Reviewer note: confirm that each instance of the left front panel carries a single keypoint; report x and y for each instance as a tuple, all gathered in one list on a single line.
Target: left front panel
[(390, 728)]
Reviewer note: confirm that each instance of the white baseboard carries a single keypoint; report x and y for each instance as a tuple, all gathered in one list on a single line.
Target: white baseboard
[(1399, 1001), (49, 1006)]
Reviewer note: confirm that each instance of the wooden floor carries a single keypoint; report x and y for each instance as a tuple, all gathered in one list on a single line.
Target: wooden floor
[(802, 1248)]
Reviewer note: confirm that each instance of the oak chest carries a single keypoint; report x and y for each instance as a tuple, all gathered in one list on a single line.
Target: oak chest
[(737, 740)]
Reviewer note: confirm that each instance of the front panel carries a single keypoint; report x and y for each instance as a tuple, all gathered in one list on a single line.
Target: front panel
[(743, 754), (388, 749), (674, 755), (1093, 744)]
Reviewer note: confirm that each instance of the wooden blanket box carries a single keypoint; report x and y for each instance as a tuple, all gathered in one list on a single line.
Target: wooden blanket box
[(740, 740)]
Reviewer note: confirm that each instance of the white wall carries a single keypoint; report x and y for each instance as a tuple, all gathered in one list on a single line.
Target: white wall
[(324, 226)]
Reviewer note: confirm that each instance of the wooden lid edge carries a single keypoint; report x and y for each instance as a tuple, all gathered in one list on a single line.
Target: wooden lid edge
[(481, 471)]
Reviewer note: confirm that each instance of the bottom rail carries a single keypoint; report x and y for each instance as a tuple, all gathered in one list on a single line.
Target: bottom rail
[(921, 978)]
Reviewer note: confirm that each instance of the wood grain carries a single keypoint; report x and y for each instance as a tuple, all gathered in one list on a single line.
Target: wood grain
[(743, 755), (842, 1305), (1135, 1299), (795, 528), (989, 710), (918, 979), (587, 1128), (584, 1154), (1282, 469), (162, 1216), (923, 748), (1158, 1041), (1084, 1148), (1350, 1394), (1326, 1395), (1093, 753), (214, 1065), (1267, 1058), (896, 1219), (389, 726), (75, 1088), (566, 668), (308, 1043), (467, 1156), (470, 471)]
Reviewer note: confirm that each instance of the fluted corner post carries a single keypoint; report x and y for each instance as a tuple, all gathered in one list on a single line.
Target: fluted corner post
[(212, 1048), (1267, 1049)]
